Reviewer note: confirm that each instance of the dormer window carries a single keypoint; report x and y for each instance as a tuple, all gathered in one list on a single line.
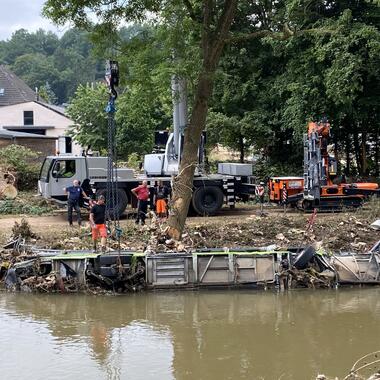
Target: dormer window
[(28, 118)]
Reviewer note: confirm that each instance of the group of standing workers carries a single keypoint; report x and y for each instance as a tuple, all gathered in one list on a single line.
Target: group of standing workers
[(160, 200), (76, 193)]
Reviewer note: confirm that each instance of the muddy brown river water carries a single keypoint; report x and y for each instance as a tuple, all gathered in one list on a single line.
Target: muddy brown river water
[(188, 335)]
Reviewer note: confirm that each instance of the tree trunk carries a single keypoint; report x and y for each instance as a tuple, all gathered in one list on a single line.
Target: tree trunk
[(377, 167), (212, 45), (357, 151), (348, 154), (363, 153), (183, 182), (241, 148)]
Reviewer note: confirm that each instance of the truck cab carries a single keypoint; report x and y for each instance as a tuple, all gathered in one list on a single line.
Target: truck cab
[(58, 172)]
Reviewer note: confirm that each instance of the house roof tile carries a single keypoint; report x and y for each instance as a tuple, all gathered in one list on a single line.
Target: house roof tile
[(13, 90)]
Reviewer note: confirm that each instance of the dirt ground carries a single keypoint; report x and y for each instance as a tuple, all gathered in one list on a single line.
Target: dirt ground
[(241, 227)]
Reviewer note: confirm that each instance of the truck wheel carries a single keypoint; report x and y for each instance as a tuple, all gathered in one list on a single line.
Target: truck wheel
[(303, 258), (307, 205), (122, 205), (207, 200)]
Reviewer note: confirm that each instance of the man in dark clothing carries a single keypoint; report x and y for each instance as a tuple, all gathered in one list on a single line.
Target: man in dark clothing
[(73, 198), (98, 223), (161, 194)]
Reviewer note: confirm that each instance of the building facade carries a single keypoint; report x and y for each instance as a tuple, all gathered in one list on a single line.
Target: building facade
[(22, 111)]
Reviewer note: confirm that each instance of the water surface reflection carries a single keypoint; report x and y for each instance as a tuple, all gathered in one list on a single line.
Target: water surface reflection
[(188, 335)]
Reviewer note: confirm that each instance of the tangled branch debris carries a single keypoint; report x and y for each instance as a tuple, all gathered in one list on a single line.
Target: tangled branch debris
[(23, 230)]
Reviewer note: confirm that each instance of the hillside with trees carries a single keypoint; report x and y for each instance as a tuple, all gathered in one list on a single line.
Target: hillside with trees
[(56, 65)]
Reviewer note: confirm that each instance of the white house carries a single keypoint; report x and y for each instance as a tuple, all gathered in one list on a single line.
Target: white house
[(22, 111)]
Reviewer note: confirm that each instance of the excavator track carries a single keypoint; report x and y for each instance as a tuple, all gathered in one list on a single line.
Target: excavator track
[(338, 203)]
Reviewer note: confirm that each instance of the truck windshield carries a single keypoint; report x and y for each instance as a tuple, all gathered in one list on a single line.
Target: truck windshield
[(44, 173)]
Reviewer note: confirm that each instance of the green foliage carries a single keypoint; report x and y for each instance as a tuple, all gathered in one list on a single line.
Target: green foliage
[(42, 57), (29, 178), (22, 42), (36, 69), (47, 94), (134, 161), (263, 169), (266, 90), (90, 120), (136, 117), (17, 207), (16, 157), (22, 160)]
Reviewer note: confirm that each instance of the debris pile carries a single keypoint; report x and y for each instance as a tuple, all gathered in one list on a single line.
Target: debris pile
[(339, 252), (7, 186), (340, 232), (365, 368), (310, 278), (22, 230)]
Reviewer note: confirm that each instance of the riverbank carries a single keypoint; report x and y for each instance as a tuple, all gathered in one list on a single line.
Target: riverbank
[(239, 249), (233, 228)]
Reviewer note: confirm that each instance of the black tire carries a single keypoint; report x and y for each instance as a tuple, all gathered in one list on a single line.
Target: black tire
[(207, 200), (122, 205), (303, 258)]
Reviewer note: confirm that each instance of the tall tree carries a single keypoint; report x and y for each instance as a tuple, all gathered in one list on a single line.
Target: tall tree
[(210, 22), (137, 117), (272, 89)]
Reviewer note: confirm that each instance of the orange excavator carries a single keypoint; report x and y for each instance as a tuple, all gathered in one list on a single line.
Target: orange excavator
[(320, 186)]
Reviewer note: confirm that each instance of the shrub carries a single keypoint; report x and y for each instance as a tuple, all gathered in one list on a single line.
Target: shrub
[(23, 230), (22, 160), (15, 207), (134, 161)]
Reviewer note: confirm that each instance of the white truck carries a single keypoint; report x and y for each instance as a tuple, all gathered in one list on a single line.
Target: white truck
[(210, 192)]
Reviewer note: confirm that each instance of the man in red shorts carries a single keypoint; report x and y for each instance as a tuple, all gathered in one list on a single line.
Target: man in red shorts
[(98, 223)]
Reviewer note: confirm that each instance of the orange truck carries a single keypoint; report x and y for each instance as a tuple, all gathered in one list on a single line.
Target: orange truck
[(293, 186)]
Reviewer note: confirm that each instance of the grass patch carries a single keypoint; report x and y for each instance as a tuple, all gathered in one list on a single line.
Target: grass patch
[(370, 209), (27, 204)]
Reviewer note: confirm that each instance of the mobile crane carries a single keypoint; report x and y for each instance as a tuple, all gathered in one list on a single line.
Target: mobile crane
[(320, 174), (210, 191)]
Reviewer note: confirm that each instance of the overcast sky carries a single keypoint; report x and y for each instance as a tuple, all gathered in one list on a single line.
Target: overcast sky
[(17, 14)]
